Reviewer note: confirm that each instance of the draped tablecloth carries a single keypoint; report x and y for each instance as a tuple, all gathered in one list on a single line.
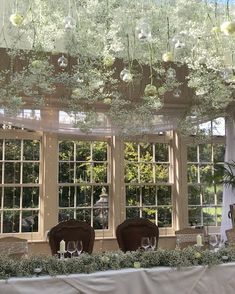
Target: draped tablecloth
[(163, 280)]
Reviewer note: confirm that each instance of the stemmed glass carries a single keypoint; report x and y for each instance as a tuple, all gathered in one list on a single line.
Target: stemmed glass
[(79, 247), (152, 243), (213, 241), (71, 247), (145, 243)]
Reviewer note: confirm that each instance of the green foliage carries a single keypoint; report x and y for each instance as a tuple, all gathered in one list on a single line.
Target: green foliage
[(86, 263)]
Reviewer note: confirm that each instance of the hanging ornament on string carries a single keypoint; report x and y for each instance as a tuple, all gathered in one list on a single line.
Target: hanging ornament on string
[(143, 31), (16, 19), (63, 62), (171, 73), (126, 75), (69, 23), (179, 45), (177, 93)]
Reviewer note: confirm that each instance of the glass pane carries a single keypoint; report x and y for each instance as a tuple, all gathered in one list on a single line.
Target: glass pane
[(30, 172), (84, 215), (97, 191), (0, 173), (12, 172), (83, 172), (30, 197), (66, 151), (31, 149), (1, 193), (146, 152), (194, 215), (83, 151), (29, 221), (209, 216), (100, 172), (132, 196), (194, 195), (66, 196), (205, 153), (12, 149), (218, 215), (131, 151), (11, 197), (206, 174), (162, 172), (66, 172), (146, 173), (99, 151), (132, 213), (219, 151), (66, 214), (192, 173), (218, 173), (131, 173), (164, 217), (149, 195), (83, 196), (101, 218), (164, 195), (150, 214), (1, 151), (192, 153), (219, 192), (11, 220), (209, 195), (161, 152)]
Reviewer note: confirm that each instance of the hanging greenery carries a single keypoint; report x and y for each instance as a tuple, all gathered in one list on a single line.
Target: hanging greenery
[(120, 57)]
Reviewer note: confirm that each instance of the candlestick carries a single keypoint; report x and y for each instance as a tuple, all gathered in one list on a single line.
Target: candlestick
[(62, 246), (199, 240)]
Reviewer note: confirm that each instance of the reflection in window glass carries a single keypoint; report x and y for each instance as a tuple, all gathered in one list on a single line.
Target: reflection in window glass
[(148, 191), (20, 170), (204, 184), (83, 173)]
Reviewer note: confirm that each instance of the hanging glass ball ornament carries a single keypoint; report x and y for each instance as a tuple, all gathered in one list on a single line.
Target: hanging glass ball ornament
[(63, 62), (179, 45), (143, 31), (150, 90), (228, 27), (126, 75), (167, 57), (16, 19), (171, 73), (177, 93), (69, 23), (108, 60)]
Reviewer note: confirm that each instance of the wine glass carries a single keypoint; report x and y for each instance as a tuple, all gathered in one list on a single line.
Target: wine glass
[(79, 247), (213, 240), (152, 243), (145, 243), (71, 247)]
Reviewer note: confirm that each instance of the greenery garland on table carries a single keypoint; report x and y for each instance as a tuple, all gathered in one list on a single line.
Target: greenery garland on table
[(45, 265)]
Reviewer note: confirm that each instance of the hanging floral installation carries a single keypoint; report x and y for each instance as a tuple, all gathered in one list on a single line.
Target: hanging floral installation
[(119, 57)]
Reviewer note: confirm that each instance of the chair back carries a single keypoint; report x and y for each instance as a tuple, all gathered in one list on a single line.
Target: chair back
[(188, 236), (72, 230), (130, 232), (14, 246), (231, 236)]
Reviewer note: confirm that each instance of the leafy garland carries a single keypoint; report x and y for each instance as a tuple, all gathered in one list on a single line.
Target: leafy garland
[(86, 263)]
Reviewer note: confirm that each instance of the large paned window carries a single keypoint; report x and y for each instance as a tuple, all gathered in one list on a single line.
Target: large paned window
[(84, 182), (19, 185), (148, 188), (204, 183)]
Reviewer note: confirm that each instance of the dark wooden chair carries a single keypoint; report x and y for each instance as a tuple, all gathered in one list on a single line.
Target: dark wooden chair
[(231, 236), (72, 230), (130, 232)]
